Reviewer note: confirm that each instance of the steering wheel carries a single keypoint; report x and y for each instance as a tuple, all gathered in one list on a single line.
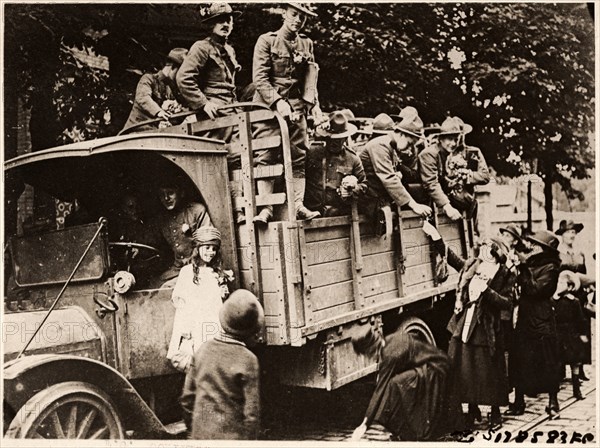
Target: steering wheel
[(153, 252)]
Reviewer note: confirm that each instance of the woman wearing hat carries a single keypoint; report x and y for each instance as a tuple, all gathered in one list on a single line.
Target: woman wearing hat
[(334, 173), (410, 398), (153, 91), (573, 260), (536, 354), (450, 171), (221, 394), (201, 288), (206, 78), (281, 65)]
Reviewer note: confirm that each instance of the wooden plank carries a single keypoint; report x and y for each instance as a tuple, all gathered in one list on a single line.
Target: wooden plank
[(327, 233), (382, 298), (327, 222), (419, 274), (330, 273), (328, 313), (259, 143), (357, 258), (269, 282), (377, 244), (378, 263), (293, 274), (422, 254), (260, 172), (229, 121), (261, 200), (331, 295), (380, 283), (327, 251)]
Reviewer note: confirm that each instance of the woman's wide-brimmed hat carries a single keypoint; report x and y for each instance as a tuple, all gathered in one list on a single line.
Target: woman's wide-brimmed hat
[(242, 315), (216, 10), (338, 127), (512, 230), (546, 239), (206, 235), (303, 7), (569, 224)]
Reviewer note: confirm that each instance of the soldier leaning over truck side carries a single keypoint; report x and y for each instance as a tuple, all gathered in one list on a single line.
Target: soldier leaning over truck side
[(450, 170), (281, 66), (153, 90), (380, 158)]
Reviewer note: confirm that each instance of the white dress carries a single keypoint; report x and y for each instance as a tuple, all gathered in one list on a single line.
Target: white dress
[(197, 311)]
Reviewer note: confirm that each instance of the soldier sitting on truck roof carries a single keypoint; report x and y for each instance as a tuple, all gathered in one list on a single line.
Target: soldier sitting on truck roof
[(381, 159), (154, 90), (177, 222), (334, 172)]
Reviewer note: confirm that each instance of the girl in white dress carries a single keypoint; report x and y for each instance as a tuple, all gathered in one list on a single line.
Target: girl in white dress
[(198, 295)]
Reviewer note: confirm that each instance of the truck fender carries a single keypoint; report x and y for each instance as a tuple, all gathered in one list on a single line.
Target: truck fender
[(26, 376)]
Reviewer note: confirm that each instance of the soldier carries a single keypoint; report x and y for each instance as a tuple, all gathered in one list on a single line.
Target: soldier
[(450, 171), (380, 158), (153, 90), (282, 70), (334, 173), (177, 223), (206, 78)]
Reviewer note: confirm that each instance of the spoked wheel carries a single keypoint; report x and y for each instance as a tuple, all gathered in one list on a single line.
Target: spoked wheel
[(70, 410), (417, 328)]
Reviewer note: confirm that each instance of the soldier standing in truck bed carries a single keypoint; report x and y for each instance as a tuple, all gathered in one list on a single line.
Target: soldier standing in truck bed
[(282, 63)]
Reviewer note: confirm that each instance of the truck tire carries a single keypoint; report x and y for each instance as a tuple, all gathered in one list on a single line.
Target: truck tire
[(69, 410), (418, 328)]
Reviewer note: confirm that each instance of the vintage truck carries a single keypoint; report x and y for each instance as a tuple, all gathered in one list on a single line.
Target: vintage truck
[(85, 361)]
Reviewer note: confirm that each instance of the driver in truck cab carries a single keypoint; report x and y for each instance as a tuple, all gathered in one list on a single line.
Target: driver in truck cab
[(177, 222)]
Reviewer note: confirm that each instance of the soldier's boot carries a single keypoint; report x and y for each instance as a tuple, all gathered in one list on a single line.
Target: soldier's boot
[(301, 211), (265, 214), (576, 386)]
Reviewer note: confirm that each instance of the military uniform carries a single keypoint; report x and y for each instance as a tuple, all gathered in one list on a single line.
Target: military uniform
[(208, 74), (278, 71), (437, 177), (324, 174), (177, 228), (152, 91), (382, 165)]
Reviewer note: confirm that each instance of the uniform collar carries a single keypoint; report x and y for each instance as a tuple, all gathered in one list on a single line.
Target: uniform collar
[(286, 34)]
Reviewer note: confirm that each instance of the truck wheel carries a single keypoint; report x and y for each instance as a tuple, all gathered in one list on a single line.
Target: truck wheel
[(418, 328), (69, 410)]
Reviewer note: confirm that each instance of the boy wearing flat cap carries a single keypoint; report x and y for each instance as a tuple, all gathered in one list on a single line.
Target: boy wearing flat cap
[(334, 173), (221, 395), (281, 67), (153, 90)]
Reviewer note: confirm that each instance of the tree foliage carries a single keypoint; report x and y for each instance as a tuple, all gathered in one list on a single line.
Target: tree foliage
[(521, 74)]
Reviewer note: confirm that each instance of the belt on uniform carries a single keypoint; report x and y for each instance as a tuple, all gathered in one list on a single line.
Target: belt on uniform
[(219, 91)]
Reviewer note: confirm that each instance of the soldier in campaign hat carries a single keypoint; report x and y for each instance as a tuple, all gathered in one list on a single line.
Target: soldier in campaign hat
[(284, 73), (381, 159), (207, 76), (334, 173), (154, 91), (450, 171)]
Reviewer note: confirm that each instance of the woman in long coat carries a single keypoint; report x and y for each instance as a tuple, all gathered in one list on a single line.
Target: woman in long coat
[(536, 349), (476, 346), (573, 260)]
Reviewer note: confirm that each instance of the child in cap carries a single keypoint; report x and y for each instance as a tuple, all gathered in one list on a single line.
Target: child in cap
[(570, 326), (198, 296), (220, 397)]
